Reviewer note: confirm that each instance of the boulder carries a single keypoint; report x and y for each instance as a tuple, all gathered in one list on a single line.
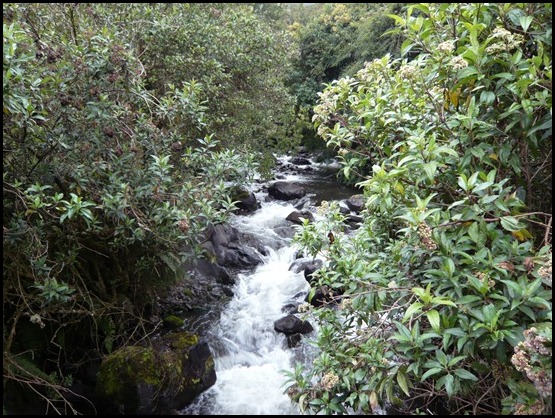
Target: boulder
[(155, 380), (283, 190), (246, 201), (232, 248), (309, 267), (293, 340), (300, 161), (290, 324), (356, 202), (296, 217)]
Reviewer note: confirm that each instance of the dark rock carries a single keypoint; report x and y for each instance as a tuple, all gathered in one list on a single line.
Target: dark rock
[(319, 299), (356, 202), (299, 296), (308, 267), (293, 340), (290, 324), (354, 218), (283, 190), (285, 231), (296, 216), (208, 269), (156, 380), (228, 291), (235, 249), (290, 308), (246, 201), (237, 257), (300, 161), (344, 210), (324, 296)]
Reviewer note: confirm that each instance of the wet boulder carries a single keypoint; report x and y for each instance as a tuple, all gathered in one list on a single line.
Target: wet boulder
[(283, 190), (308, 267), (323, 296), (356, 203), (213, 270), (300, 161), (246, 201), (157, 379), (290, 324), (232, 248), (293, 340), (297, 216)]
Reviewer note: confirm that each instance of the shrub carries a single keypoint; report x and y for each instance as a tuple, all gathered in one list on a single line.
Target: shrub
[(446, 274)]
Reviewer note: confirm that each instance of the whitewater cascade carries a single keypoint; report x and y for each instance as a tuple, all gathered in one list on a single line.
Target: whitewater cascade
[(249, 354)]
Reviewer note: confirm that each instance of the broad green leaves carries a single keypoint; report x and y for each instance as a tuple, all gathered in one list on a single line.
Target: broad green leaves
[(446, 139)]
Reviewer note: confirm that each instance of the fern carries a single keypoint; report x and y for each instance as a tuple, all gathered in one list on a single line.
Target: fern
[(25, 368)]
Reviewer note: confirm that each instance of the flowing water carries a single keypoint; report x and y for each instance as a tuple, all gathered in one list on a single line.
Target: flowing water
[(249, 355)]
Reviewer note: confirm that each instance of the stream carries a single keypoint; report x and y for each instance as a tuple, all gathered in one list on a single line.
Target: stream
[(250, 356)]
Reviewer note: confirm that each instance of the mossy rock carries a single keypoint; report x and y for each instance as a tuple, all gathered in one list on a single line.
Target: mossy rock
[(246, 200), (157, 379), (173, 321)]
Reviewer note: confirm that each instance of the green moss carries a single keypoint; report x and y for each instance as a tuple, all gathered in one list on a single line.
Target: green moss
[(181, 340), (162, 369), (239, 194), (209, 363), (173, 321), (127, 366)]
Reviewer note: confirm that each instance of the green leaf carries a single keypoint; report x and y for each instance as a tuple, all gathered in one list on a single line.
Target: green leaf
[(412, 309), (433, 317), (449, 384), (441, 357), (431, 372), (529, 312), (430, 169), (455, 360), (510, 223), (465, 300), (457, 332), (359, 375), (487, 97), (525, 22), (465, 375), (440, 300), (403, 384), (467, 72)]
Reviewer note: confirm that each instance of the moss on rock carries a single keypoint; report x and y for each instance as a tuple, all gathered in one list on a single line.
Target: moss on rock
[(156, 379), (173, 321), (181, 340)]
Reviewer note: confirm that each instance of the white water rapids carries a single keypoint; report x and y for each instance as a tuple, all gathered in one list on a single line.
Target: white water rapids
[(249, 354)]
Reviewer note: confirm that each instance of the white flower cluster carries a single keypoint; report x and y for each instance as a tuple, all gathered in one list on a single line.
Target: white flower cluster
[(425, 233), (373, 70), (36, 319), (505, 41), (303, 307), (446, 47), (458, 62), (345, 303), (523, 360), (546, 271), (407, 72), (329, 381), (327, 105), (323, 208)]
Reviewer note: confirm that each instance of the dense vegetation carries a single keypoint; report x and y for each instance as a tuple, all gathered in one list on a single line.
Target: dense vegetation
[(118, 118), (122, 131), (446, 288)]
